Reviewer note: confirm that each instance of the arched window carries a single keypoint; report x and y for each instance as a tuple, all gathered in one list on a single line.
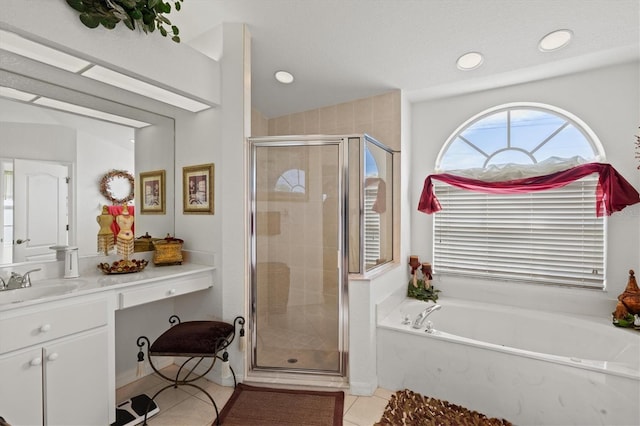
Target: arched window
[(293, 180), (551, 236), (523, 134)]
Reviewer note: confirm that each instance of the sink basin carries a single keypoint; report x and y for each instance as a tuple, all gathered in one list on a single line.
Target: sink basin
[(36, 292)]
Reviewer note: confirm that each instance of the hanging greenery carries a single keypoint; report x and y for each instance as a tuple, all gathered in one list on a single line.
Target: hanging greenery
[(146, 15)]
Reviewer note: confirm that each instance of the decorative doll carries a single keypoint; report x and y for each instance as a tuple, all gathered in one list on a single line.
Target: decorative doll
[(105, 234)]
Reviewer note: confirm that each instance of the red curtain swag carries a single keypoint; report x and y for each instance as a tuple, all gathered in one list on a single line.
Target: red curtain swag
[(613, 190)]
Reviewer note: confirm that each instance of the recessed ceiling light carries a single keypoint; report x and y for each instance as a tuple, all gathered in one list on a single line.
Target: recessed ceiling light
[(470, 61), (555, 40), (284, 77)]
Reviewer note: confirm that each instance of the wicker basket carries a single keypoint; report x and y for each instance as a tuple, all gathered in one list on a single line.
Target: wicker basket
[(168, 251)]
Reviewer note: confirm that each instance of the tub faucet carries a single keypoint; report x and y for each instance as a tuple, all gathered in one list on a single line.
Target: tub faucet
[(419, 321)]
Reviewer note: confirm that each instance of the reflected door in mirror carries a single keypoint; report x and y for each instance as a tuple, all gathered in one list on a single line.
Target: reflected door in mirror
[(38, 184)]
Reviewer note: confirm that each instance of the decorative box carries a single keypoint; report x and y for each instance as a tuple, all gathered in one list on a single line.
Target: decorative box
[(144, 243), (168, 251)]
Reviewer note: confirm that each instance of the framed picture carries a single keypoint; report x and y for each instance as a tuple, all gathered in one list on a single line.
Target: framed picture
[(197, 189), (152, 192)]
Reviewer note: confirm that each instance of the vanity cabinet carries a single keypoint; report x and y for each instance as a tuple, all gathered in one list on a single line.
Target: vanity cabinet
[(54, 364), (164, 290)]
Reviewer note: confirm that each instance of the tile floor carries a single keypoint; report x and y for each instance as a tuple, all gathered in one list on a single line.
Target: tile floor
[(187, 406)]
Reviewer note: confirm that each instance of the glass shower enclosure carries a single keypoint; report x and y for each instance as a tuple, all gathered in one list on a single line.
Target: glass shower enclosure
[(321, 209)]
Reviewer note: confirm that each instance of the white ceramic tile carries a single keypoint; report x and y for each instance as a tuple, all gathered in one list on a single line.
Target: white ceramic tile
[(348, 402), (383, 393), (366, 410), (220, 394), (169, 397), (143, 385), (191, 412)]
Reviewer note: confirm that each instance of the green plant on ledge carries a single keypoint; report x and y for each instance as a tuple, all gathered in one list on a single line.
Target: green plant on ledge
[(421, 292), (147, 15)]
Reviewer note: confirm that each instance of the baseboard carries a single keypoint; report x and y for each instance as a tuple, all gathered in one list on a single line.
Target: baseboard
[(362, 388)]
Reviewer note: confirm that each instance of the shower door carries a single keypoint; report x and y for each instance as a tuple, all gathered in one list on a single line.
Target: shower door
[(298, 322)]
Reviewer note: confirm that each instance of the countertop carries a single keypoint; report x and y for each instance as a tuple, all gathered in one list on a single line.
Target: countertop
[(95, 281)]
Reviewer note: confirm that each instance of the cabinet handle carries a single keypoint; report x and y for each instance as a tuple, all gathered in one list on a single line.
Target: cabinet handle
[(35, 362), (45, 327), (52, 357), (172, 291)]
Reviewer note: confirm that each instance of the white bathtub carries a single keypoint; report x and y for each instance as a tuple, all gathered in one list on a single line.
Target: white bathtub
[(529, 367)]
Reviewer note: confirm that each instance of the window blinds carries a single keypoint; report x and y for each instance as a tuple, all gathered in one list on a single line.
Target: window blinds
[(551, 236)]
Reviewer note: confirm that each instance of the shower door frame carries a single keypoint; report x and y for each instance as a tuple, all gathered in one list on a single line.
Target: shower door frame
[(343, 270)]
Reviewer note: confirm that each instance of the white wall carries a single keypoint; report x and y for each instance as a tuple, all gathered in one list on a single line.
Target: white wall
[(218, 136), (607, 99), (155, 150)]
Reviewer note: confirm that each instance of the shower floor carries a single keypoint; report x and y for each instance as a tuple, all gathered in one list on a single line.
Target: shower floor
[(303, 337)]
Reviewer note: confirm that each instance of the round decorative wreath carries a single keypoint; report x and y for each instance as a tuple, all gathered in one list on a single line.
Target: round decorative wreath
[(106, 180)]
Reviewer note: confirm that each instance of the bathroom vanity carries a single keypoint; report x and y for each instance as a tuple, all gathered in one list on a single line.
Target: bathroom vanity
[(57, 351)]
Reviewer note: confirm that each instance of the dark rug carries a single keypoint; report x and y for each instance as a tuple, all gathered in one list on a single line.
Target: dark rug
[(412, 409), (258, 406)]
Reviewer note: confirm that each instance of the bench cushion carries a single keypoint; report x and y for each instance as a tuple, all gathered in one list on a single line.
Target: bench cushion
[(193, 338)]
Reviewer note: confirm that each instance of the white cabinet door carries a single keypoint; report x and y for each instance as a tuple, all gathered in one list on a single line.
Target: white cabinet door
[(21, 387), (76, 380)]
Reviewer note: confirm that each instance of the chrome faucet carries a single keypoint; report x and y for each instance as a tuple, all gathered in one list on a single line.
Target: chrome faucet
[(18, 281), (420, 319)]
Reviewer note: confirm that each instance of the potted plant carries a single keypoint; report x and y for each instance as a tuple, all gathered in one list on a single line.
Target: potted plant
[(146, 15)]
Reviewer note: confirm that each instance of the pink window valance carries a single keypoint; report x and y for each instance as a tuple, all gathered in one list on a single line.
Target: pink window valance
[(613, 192)]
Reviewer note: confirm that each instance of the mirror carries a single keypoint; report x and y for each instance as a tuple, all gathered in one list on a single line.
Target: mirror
[(87, 148)]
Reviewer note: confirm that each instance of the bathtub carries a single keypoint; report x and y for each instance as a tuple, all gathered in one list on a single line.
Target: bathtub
[(529, 367)]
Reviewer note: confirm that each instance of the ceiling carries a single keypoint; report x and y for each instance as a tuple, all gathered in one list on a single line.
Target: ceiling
[(341, 50)]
